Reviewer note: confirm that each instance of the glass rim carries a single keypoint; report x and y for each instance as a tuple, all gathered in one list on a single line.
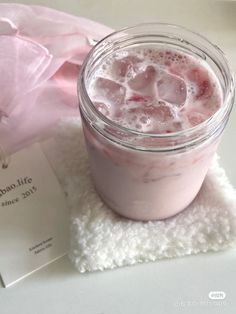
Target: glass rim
[(210, 122)]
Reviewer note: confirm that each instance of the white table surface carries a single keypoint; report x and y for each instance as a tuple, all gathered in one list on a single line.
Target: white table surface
[(166, 287)]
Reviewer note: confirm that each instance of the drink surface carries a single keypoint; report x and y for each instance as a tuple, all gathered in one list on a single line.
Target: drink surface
[(155, 90)]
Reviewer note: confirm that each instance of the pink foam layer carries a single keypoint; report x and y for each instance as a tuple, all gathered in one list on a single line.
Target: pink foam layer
[(155, 90)]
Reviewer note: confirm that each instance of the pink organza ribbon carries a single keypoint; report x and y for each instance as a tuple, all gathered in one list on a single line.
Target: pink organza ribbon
[(41, 51)]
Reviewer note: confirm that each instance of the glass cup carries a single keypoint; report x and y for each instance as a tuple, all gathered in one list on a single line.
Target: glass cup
[(151, 176)]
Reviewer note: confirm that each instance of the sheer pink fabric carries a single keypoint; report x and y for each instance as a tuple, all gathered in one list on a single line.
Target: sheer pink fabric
[(41, 51)]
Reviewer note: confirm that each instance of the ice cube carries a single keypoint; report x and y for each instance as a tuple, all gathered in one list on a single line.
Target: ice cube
[(196, 118), (161, 112), (144, 81), (200, 78), (172, 89), (110, 91), (120, 67), (102, 108), (149, 118), (178, 69)]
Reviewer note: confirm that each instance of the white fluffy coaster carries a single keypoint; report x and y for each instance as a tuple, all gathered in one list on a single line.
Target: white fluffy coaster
[(101, 240)]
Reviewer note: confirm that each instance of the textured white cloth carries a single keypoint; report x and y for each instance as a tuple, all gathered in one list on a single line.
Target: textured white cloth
[(101, 240)]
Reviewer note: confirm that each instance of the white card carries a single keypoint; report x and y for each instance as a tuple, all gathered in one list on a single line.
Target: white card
[(33, 215)]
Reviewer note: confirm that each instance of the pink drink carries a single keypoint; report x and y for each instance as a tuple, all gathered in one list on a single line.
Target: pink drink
[(155, 91), (161, 96)]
